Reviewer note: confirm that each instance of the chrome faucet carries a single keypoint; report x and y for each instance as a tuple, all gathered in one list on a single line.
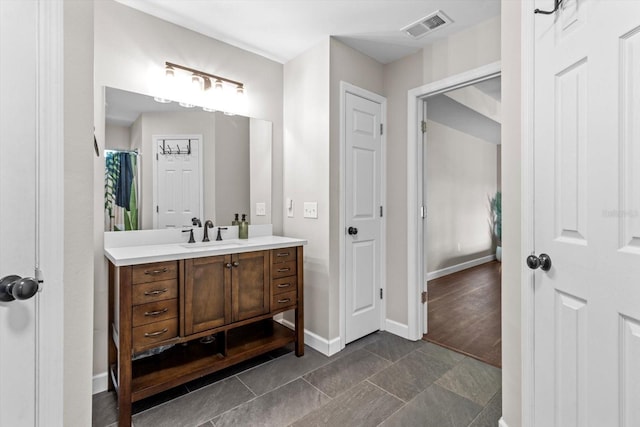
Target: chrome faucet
[(207, 225)]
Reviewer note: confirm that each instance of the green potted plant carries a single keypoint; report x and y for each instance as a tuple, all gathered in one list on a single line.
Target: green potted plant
[(496, 219)]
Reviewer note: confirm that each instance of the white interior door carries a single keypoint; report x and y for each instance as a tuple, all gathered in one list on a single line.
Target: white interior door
[(587, 214), (363, 189), (18, 42), (179, 182)]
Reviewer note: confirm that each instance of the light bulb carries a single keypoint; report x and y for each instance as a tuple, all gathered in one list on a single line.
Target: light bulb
[(218, 86), (209, 110), (169, 72), (196, 82), (161, 100), (240, 90), (186, 105)]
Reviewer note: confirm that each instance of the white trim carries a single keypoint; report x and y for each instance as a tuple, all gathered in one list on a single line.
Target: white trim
[(415, 100), (154, 160), (397, 328), (459, 267), (342, 271), (527, 215), (100, 383), (316, 342), (50, 169), (501, 421)]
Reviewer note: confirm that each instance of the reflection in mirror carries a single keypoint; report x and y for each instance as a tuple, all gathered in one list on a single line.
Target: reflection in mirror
[(185, 163)]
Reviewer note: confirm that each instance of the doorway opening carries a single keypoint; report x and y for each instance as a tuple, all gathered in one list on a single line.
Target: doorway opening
[(461, 235)]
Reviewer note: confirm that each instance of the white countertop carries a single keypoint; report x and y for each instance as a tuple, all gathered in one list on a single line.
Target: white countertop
[(134, 255)]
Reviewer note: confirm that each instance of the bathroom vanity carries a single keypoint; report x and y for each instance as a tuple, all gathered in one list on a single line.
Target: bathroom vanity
[(179, 312)]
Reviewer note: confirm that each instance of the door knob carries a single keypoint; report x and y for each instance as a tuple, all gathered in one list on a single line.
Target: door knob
[(543, 262), (352, 230), (15, 287)]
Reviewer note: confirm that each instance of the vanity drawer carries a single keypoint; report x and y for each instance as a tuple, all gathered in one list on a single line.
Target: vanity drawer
[(155, 272), (283, 269), (283, 300), (283, 255), (154, 333), (154, 291), (284, 284), (155, 312)]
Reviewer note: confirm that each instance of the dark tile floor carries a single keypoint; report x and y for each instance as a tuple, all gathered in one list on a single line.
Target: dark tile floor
[(379, 380)]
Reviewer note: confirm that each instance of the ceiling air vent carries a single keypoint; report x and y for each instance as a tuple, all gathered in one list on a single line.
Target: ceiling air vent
[(426, 25)]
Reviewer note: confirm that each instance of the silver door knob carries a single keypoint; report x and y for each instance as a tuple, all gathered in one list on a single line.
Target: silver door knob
[(15, 287), (543, 262)]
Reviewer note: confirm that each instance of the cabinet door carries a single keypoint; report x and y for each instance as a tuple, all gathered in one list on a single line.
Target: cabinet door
[(207, 302), (250, 285)]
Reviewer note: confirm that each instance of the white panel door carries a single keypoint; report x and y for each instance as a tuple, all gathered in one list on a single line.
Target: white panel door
[(363, 203), (18, 43), (178, 183), (587, 214)]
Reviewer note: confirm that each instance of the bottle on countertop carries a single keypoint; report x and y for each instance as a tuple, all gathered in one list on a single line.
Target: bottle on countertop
[(235, 221), (243, 228)]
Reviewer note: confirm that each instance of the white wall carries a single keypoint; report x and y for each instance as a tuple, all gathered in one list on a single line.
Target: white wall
[(130, 49), (399, 77), (512, 257), (461, 177), (232, 168), (306, 174), (260, 135), (78, 212), (117, 137)]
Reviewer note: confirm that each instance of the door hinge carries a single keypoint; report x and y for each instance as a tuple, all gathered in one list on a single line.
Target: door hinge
[(157, 209), (380, 293), (423, 297), (380, 211), (157, 158), (381, 128), (423, 126), (423, 212)]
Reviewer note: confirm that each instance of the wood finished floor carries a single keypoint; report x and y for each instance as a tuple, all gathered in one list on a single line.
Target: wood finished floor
[(464, 312)]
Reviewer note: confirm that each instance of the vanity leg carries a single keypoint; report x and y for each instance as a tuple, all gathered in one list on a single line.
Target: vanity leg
[(300, 305)]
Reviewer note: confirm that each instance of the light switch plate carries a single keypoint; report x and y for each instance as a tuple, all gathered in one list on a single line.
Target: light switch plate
[(261, 209), (311, 209)]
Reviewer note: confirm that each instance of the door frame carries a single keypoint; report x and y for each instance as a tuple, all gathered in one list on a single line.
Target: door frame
[(416, 262), (363, 93), (49, 304), (154, 145)]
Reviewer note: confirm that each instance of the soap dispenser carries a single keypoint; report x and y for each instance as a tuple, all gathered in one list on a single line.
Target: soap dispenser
[(236, 221), (243, 228)]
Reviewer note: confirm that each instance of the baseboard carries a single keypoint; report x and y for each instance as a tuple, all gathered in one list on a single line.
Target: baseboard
[(459, 267), (396, 328), (100, 383), (316, 342), (502, 423)]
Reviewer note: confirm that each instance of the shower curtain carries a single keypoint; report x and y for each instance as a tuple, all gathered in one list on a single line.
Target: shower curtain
[(121, 189)]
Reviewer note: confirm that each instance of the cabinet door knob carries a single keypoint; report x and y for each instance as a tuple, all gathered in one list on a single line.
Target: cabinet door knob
[(236, 263), (228, 265)]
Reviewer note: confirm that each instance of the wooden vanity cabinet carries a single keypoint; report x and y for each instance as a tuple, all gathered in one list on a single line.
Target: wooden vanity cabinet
[(207, 293), (229, 300)]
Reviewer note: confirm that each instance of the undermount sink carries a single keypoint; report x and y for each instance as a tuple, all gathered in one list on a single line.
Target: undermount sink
[(216, 244)]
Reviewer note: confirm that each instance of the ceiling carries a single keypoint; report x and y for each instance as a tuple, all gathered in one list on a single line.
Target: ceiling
[(283, 29)]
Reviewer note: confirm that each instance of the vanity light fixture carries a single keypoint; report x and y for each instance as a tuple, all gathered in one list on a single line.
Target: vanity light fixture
[(203, 79)]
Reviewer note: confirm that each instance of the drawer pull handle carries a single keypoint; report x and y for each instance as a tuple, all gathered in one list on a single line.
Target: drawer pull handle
[(284, 285), (156, 292), (282, 270), (156, 313), (283, 301), (281, 254), (154, 272), (155, 334)]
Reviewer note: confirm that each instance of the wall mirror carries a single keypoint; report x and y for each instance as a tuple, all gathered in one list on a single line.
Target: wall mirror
[(167, 163)]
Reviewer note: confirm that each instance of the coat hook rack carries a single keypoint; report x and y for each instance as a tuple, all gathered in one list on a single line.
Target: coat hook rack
[(550, 12), (166, 148)]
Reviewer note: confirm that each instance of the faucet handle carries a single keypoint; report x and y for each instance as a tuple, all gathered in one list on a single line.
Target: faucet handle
[(191, 239), (219, 238), (196, 221)]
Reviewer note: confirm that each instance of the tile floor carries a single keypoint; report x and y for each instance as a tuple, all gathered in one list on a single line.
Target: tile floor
[(379, 380)]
